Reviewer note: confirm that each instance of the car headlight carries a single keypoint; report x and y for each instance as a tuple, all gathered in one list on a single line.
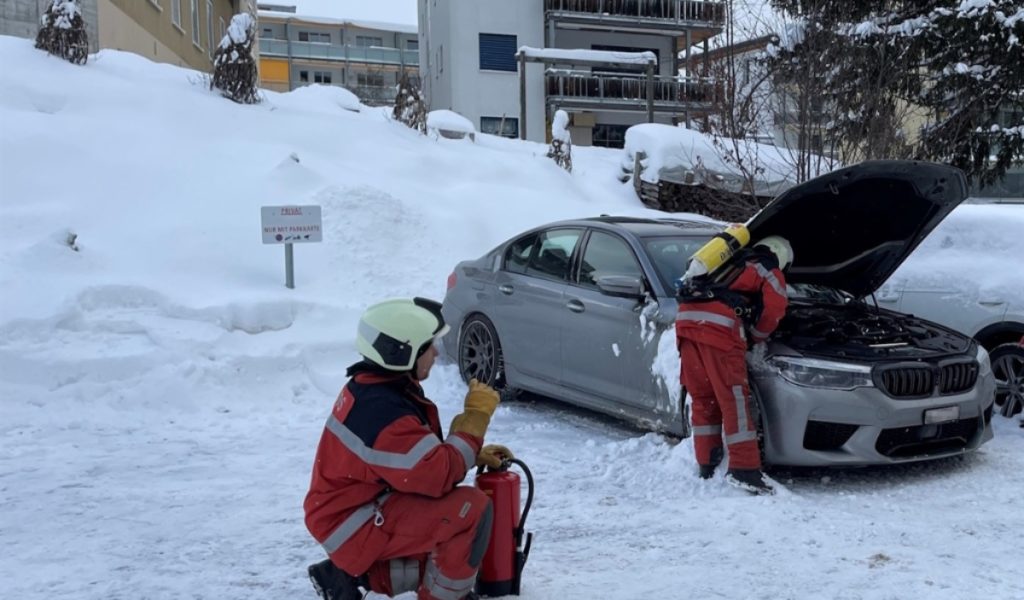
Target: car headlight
[(984, 365), (813, 372)]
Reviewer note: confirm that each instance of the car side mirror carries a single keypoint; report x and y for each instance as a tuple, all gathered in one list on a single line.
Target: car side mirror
[(622, 286)]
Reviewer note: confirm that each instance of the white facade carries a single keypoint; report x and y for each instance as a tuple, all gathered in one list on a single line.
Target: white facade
[(450, 59), (452, 76)]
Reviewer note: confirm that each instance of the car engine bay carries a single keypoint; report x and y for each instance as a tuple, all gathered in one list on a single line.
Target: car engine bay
[(857, 330)]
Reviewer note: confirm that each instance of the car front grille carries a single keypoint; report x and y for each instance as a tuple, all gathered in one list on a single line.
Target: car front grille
[(958, 377), (909, 382), (822, 435), (922, 381), (925, 440)]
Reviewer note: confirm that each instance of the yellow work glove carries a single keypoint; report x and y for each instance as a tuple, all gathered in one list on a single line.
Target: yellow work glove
[(491, 456), (481, 401), (481, 397)]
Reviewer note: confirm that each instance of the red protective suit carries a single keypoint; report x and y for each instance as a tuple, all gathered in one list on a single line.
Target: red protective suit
[(712, 347), (384, 487)]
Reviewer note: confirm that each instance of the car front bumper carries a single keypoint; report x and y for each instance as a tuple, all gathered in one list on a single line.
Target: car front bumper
[(805, 426)]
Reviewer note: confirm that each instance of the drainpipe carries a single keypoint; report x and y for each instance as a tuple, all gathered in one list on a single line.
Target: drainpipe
[(288, 41), (522, 95), (650, 92)]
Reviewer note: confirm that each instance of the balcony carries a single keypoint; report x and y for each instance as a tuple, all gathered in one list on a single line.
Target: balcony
[(333, 52), (669, 17), (623, 92)]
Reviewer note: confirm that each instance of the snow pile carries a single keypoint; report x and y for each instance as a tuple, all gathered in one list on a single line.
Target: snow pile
[(560, 127), (163, 392), (572, 56), (238, 30), (684, 155)]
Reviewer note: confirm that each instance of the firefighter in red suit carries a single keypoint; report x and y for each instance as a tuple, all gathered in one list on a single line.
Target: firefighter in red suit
[(384, 501), (713, 330)]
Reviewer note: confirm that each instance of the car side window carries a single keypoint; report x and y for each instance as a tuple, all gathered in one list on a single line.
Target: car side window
[(553, 254), (518, 254), (607, 254)]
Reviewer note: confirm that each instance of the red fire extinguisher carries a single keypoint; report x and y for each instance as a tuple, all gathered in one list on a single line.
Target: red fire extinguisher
[(502, 567)]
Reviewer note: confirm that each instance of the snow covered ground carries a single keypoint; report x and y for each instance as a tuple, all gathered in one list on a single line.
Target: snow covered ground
[(162, 392)]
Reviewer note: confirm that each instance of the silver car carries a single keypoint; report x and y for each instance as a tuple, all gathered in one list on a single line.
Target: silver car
[(583, 311)]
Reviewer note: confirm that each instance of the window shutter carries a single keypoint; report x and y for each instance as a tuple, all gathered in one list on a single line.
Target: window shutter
[(497, 52)]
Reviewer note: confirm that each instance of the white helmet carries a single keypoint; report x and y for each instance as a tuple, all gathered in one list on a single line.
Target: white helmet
[(394, 333), (779, 246)]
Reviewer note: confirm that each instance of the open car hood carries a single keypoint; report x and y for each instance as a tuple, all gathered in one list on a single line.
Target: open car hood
[(852, 228)]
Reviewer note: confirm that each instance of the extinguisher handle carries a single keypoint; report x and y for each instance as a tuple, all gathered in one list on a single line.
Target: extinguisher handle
[(529, 498)]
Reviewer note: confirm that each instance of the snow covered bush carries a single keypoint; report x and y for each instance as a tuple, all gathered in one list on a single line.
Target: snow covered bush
[(234, 66), (410, 108), (561, 141), (62, 32)]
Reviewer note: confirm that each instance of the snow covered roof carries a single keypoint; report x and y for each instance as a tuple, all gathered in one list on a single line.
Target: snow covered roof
[(362, 23), (585, 56)]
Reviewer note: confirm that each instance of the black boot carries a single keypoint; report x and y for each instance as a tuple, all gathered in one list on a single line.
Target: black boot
[(751, 480), (331, 583), (708, 471)]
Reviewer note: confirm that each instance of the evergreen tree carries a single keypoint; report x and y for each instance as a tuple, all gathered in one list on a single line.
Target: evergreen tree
[(410, 109), (234, 65), (62, 32), (948, 72), (561, 142)]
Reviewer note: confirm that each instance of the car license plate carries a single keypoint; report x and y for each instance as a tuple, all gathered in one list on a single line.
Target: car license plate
[(941, 415)]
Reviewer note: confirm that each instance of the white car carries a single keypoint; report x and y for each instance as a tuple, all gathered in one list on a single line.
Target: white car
[(968, 276)]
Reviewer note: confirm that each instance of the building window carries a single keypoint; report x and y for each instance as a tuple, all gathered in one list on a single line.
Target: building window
[(365, 41), (304, 76), (209, 28), (497, 52), (370, 79), (223, 28), (316, 37), (321, 77), (176, 12), (503, 126), (196, 39), (268, 32), (412, 44), (610, 136)]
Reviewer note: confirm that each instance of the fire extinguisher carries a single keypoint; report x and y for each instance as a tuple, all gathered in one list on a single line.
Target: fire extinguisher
[(502, 567)]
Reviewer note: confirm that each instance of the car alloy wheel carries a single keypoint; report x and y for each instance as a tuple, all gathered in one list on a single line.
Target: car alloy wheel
[(479, 352), (1008, 368)]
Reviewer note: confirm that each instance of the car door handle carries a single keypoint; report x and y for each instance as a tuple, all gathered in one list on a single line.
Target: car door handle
[(991, 302), (506, 289), (575, 306)]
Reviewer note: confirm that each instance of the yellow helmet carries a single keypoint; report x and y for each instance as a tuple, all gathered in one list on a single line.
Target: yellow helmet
[(779, 246), (394, 333)]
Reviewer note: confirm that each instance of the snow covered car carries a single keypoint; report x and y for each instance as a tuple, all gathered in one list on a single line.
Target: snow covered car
[(583, 311)]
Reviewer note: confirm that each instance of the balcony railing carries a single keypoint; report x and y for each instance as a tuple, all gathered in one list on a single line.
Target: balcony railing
[(675, 11), (669, 93), (362, 54)]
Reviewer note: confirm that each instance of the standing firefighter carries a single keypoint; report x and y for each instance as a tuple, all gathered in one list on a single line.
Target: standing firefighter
[(718, 312), (384, 501)]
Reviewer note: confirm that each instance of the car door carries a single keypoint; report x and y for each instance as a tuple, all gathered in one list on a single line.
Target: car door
[(965, 310), (529, 302), (602, 335)]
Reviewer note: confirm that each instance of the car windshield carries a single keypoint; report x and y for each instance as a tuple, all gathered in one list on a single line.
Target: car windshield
[(670, 255)]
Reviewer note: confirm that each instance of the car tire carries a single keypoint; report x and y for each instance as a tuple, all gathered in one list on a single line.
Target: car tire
[(480, 355), (1008, 367)]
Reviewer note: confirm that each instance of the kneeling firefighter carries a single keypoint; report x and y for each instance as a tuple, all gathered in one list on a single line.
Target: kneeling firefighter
[(721, 307), (384, 500)]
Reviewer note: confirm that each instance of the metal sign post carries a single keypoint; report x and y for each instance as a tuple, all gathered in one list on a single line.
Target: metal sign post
[(290, 225)]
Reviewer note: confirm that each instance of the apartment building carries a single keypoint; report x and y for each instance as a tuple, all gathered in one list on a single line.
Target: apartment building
[(366, 57), (468, 63), (179, 32)]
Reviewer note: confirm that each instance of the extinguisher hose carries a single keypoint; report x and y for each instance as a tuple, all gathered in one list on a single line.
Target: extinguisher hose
[(529, 498)]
